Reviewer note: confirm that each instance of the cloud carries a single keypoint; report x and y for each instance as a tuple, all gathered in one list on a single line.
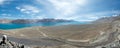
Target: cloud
[(95, 15), (4, 14), (2, 2), (38, 17), (59, 8), (67, 7), (90, 16), (28, 9), (73, 9)]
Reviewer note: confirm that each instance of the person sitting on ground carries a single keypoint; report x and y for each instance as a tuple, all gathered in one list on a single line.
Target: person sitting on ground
[(4, 40)]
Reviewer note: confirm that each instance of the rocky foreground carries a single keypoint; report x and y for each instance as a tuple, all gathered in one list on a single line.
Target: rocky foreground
[(9, 42), (6, 43)]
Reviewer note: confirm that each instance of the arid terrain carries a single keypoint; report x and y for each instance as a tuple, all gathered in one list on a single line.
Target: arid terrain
[(94, 35)]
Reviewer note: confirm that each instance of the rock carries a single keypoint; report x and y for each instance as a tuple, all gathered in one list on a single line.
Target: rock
[(5, 43)]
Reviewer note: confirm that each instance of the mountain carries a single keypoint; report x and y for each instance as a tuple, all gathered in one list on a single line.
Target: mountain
[(54, 20), (67, 36), (27, 21), (5, 20), (107, 19), (23, 21), (102, 33)]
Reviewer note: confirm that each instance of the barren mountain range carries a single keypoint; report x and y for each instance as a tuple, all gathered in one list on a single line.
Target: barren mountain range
[(27, 21)]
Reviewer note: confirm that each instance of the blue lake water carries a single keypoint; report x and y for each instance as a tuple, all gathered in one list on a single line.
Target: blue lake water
[(16, 26)]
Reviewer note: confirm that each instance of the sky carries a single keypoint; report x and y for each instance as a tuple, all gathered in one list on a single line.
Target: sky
[(79, 10)]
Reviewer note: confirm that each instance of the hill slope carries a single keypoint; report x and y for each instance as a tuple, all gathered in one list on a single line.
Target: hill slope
[(88, 35)]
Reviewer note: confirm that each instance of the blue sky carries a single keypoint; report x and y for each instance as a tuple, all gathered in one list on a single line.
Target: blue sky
[(80, 10)]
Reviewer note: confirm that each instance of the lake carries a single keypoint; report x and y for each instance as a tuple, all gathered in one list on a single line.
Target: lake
[(16, 26)]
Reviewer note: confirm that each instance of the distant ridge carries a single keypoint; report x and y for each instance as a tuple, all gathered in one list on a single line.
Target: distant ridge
[(107, 19), (25, 21)]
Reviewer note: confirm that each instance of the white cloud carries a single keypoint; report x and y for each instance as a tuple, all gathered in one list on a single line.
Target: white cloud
[(72, 9), (94, 16), (4, 14), (61, 8), (28, 9), (39, 17), (60, 4), (2, 1), (67, 7), (114, 15)]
